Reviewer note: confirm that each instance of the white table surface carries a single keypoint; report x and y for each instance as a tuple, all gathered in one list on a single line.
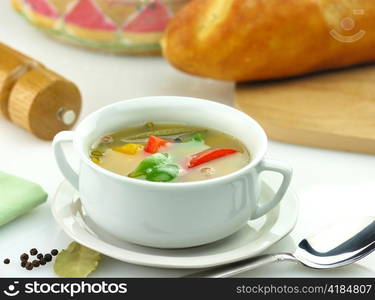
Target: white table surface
[(331, 185)]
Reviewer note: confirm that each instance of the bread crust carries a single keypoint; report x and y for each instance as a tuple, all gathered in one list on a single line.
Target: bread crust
[(245, 40)]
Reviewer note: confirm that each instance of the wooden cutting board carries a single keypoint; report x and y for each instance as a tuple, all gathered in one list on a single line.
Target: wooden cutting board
[(334, 110)]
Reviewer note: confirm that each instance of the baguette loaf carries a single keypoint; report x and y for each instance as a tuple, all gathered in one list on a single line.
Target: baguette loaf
[(245, 40)]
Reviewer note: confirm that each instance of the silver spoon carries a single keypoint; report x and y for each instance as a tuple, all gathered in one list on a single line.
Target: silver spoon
[(336, 246)]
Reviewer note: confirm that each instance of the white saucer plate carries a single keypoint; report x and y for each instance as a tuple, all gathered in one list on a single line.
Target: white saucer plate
[(251, 240)]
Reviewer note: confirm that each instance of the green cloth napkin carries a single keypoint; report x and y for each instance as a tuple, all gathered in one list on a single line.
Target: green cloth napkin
[(18, 196)]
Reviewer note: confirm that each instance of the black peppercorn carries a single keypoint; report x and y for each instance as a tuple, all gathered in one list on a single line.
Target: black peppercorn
[(29, 266), (23, 263), (33, 251), (42, 261), (39, 256), (54, 252), (48, 257), (24, 257), (6, 261), (36, 263)]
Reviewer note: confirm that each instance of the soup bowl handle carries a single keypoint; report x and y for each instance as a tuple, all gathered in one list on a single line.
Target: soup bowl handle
[(65, 168), (286, 172)]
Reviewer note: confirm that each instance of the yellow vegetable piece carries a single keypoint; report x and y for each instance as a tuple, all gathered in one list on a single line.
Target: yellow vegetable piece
[(95, 160), (130, 149)]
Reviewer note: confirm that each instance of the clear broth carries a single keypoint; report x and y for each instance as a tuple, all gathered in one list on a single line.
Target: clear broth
[(179, 151)]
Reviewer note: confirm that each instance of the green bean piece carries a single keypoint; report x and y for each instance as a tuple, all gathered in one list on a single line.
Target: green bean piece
[(150, 125), (163, 132), (136, 141)]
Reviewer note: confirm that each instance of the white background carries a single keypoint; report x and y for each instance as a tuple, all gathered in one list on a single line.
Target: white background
[(331, 185)]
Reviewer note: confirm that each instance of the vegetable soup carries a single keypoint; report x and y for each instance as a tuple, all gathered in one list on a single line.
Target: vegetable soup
[(169, 153)]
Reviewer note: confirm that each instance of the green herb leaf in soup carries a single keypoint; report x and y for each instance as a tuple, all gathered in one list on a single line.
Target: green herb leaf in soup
[(149, 163), (156, 167), (163, 173)]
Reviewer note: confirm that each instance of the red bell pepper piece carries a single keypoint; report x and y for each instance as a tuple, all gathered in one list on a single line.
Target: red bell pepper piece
[(153, 144), (208, 155)]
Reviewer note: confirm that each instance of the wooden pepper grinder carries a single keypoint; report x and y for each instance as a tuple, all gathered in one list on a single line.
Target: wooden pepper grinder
[(34, 97)]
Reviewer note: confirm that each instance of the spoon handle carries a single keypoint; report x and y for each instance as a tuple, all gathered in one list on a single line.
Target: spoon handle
[(242, 266)]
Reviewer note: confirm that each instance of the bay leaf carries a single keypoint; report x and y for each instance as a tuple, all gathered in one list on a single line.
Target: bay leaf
[(76, 261)]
